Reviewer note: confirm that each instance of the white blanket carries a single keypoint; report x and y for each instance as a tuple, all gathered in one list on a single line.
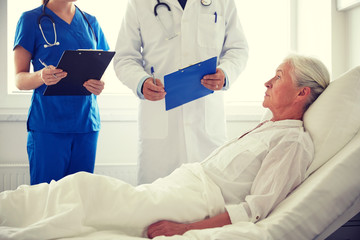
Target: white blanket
[(239, 231), (85, 206)]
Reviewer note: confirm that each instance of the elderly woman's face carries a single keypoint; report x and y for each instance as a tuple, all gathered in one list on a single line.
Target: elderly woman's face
[(281, 90)]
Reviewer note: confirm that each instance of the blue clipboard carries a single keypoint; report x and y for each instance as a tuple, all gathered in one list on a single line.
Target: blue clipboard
[(81, 65), (184, 86)]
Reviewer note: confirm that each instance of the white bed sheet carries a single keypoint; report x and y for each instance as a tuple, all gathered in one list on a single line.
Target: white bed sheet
[(63, 210), (242, 231)]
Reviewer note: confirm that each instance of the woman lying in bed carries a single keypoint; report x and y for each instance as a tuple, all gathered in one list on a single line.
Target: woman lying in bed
[(241, 181)]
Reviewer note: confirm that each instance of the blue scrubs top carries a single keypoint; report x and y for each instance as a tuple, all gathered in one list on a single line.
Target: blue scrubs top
[(59, 114)]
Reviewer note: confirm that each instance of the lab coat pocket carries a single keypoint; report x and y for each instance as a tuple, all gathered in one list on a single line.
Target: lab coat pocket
[(211, 31), (153, 120), (215, 122)]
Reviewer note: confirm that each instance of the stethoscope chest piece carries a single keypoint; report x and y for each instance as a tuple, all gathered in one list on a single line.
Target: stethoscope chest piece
[(206, 2)]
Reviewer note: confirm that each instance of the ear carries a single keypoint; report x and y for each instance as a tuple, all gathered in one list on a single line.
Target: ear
[(304, 92)]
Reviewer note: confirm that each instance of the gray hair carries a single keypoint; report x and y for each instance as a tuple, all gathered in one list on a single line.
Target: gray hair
[(309, 72)]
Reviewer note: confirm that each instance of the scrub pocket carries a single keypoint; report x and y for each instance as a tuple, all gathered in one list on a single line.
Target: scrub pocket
[(211, 34)]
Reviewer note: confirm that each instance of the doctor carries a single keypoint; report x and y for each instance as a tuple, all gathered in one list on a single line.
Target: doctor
[(168, 35)]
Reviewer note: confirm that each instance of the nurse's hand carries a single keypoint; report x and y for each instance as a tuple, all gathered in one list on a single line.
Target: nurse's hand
[(51, 75), (153, 92), (94, 86), (214, 81)]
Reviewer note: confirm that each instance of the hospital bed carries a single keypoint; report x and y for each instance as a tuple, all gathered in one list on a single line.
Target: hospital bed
[(328, 198)]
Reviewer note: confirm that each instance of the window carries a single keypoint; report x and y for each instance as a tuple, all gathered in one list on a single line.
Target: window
[(266, 25)]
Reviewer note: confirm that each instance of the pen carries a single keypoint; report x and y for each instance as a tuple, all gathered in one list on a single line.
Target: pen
[(46, 66), (152, 74), (215, 17)]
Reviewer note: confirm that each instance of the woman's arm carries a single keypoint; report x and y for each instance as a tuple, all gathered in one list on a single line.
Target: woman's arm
[(168, 228), (25, 80)]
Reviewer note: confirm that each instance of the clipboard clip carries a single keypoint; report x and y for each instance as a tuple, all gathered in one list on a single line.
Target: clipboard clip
[(90, 50), (95, 50), (197, 63)]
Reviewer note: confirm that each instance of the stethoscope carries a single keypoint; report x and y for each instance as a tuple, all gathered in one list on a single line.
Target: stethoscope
[(167, 24), (44, 15), (203, 2)]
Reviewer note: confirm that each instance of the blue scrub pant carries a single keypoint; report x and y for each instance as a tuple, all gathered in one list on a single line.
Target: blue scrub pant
[(52, 156)]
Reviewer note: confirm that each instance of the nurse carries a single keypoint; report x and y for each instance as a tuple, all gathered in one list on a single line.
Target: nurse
[(62, 130), (170, 35)]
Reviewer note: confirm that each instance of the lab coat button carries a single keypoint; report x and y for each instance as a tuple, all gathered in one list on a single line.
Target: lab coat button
[(257, 217)]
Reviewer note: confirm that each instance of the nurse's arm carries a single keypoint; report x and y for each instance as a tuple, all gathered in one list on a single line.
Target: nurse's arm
[(168, 228), (25, 80)]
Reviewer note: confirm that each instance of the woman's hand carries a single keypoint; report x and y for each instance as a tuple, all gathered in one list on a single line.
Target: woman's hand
[(94, 86), (26, 80), (51, 75), (166, 228)]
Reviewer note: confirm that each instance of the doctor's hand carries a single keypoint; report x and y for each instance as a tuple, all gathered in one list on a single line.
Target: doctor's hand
[(51, 75), (214, 81), (94, 86), (153, 92), (166, 228)]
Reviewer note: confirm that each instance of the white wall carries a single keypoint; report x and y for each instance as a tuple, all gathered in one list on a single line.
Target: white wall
[(118, 140), (345, 39), (337, 45), (353, 37), (314, 32)]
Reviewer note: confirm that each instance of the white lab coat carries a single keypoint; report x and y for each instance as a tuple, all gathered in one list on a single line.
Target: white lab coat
[(190, 132)]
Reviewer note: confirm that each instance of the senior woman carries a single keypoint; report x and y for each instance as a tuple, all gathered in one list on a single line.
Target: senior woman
[(241, 181)]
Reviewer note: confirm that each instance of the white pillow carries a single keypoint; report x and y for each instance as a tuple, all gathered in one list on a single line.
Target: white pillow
[(334, 118)]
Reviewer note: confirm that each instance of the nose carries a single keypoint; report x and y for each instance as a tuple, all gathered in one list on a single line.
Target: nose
[(268, 84)]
